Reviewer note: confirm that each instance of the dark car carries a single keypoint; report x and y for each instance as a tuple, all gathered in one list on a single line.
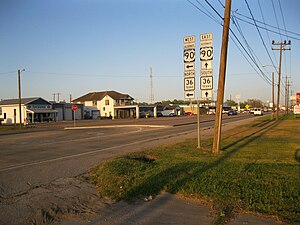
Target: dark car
[(232, 112)]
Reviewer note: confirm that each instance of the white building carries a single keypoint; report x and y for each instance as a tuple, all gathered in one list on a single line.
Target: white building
[(108, 104), (32, 110)]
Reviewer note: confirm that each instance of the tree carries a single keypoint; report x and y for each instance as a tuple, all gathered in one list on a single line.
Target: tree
[(254, 103), (231, 103)]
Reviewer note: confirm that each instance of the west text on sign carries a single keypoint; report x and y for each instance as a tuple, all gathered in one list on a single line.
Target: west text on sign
[(189, 39)]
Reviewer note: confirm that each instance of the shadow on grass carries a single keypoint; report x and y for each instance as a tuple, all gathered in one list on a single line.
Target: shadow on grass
[(174, 178), (268, 125), (297, 157)]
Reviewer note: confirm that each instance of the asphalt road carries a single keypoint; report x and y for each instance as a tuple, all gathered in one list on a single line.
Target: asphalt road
[(46, 153), (43, 169)]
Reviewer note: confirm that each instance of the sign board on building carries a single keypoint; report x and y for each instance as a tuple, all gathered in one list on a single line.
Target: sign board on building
[(297, 109), (298, 98)]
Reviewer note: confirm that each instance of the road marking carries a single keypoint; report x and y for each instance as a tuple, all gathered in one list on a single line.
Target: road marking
[(116, 126), (86, 153)]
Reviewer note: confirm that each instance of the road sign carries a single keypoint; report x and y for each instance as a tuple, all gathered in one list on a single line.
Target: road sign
[(189, 55), (189, 73), (206, 37), (206, 43), (74, 107), (206, 83), (206, 73), (189, 39), (206, 53), (189, 94), (206, 65), (206, 93), (189, 45), (189, 84), (189, 66)]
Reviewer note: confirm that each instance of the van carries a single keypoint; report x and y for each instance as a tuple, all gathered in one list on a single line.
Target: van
[(257, 112)]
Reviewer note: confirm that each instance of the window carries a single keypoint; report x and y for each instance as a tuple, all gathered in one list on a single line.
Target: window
[(0, 110), (107, 102), (4, 115), (94, 103), (15, 112), (103, 108)]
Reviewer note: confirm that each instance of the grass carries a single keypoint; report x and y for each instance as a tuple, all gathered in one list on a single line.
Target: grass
[(12, 127), (258, 170)]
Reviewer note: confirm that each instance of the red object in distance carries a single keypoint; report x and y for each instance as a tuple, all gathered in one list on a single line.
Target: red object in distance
[(74, 107)]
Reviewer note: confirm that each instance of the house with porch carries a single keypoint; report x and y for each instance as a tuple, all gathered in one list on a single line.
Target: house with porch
[(32, 110), (108, 104)]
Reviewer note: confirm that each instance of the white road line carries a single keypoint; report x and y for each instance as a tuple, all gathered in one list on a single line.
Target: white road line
[(84, 153)]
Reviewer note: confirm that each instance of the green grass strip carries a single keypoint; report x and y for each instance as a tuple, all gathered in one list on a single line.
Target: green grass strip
[(258, 170)]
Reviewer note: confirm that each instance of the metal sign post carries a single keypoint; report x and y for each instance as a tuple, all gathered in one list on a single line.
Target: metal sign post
[(74, 108)]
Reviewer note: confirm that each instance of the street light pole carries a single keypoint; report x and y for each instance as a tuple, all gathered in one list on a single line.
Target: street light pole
[(19, 91)]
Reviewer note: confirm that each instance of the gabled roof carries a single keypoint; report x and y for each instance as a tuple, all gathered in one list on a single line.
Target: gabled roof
[(24, 101), (96, 96)]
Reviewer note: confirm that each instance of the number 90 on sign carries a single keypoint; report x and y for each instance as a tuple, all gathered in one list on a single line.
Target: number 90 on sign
[(206, 53), (189, 55)]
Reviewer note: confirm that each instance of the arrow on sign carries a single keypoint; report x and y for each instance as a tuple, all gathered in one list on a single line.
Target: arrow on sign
[(206, 94), (189, 94), (206, 64), (189, 66)]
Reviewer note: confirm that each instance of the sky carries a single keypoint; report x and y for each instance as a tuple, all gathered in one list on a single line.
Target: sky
[(73, 47)]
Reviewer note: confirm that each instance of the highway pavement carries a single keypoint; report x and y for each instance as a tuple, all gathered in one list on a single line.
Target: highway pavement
[(32, 159)]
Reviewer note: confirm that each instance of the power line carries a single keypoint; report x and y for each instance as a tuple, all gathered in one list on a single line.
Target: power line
[(96, 75), (264, 44), (262, 73), (282, 17), (261, 12), (213, 18), (276, 18), (275, 32)]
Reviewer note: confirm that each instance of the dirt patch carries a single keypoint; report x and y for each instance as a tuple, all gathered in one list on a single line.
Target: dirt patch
[(61, 200)]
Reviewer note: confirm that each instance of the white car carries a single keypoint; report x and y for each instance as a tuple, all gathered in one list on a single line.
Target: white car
[(257, 112)]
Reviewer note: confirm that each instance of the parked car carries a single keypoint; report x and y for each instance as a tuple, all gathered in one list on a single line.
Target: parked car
[(257, 112), (189, 113), (232, 113)]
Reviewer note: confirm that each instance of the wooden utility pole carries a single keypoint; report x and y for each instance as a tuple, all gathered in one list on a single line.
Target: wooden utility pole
[(282, 45), (273, 103), (222, 74), (286, 95), (19, 92)]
